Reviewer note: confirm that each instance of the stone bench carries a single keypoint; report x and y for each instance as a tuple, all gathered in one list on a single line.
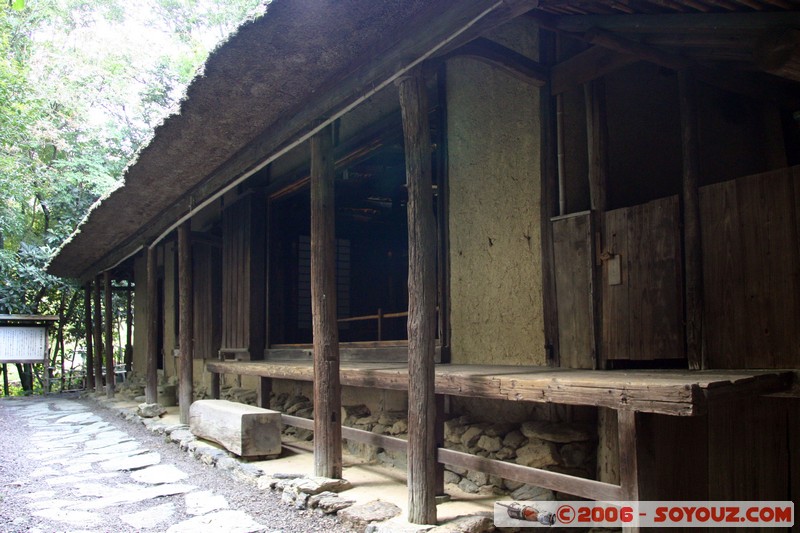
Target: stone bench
[(245, 430)]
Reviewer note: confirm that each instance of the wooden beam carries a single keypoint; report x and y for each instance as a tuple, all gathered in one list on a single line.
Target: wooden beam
[(628, 458), (98, 338), (87, 308), (597, 156), (151, 378), (327, 388), (586, 66), (692, 244), (109, 346), (129, 330), (421, 300), (503, 58), (549, 201), (185, 321), (735, 23)]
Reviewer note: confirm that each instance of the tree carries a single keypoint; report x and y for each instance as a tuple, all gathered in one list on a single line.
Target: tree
[(82, 85)]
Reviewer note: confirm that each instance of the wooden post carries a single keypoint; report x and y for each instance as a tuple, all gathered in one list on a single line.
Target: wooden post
[(264, 391), (87, 307), (5, 379), (628, 458), (692, 244), (129, 331), (151, 378), (594, 95), (327, 388), (110, 377), (421, 301), (186, 321), (98, 339), (548, 202), (215, 385)]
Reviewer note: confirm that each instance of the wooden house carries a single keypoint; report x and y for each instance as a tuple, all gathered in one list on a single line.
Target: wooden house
[(486, 207)]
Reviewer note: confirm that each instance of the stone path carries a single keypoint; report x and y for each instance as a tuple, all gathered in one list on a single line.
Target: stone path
[(90, 476)]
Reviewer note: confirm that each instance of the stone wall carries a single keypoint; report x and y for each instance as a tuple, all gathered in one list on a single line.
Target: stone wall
[(564, 447)]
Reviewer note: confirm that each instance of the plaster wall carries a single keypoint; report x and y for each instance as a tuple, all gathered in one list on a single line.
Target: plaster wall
[(494, 189)]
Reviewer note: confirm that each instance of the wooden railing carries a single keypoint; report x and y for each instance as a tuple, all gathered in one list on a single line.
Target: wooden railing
[(380, 317)]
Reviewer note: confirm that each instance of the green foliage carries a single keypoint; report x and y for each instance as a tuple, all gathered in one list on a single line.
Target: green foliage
[(82, 85)]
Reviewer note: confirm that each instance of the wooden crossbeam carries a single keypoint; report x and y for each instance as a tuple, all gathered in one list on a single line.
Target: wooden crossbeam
[(509, 61)]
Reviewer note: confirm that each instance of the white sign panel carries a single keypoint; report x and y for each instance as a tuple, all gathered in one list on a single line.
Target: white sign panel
[(23, 344)]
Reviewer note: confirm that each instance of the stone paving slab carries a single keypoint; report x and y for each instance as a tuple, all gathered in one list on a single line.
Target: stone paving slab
[(150, 518), (221, 522), (92, 467), (158, 474)]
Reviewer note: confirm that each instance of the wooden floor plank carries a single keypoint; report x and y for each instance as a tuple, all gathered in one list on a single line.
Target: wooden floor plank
[(671, 392)]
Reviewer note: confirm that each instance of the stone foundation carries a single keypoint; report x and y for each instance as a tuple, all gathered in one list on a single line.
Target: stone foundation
[(564, 447)]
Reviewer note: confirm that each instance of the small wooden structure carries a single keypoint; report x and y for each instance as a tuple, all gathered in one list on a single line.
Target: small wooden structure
[(24, 340)]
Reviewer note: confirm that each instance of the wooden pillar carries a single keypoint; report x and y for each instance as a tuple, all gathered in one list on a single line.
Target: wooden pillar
[(186, 321), (628, 458), (5, 379), (87, 308), (129, 331), (264, 392), (109, 312), (421, 301), (549, 199), (98, 338), (692, 244), (151, 377), (215, 386), (597, 154), (327, 388)]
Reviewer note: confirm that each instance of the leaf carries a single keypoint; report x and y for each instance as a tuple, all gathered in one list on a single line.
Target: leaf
[(17, 5)]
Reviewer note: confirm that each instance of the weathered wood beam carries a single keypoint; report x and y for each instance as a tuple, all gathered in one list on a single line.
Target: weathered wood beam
[(501, 57), (87, 307), (679, 23), (98, 338), (549, 200), (692, 244), (109, 345), (185, 321), (421, 300), (129, 329), (628, 458), (587, 66), (327, 388), (597, 152), (151, 378)]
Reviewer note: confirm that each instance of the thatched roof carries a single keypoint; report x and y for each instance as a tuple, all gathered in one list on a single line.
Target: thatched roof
[(300, 60), (306, 61)]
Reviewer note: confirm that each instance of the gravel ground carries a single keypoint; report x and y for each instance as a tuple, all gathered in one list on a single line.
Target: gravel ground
[(16, 480)]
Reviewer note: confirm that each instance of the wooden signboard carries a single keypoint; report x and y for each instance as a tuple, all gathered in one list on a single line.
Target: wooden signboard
[(23, 339)]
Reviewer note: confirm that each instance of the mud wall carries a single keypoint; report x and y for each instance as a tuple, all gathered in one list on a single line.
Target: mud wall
[(494, 189)]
